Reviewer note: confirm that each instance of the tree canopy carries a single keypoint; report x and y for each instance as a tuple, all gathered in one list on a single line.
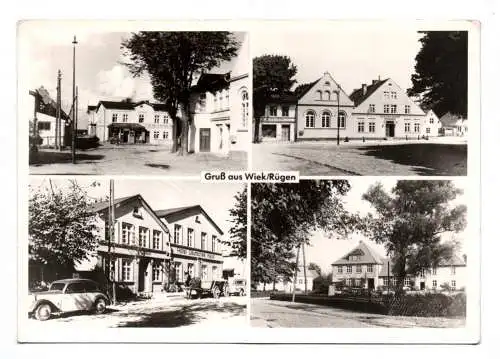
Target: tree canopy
[(410, 220), (238, 231), (440, 78), (272, 74), (62, 231), (172, 59), (284, 214)]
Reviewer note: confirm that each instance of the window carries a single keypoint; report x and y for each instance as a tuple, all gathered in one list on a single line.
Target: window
[(327, 83), (453, 270), (214, 243), (157, 118), (126, 270), (44, 125), (221, 96), (325, 119), (125, 117), (143, 237), (386, 108), (156, 272), (215, 101), (371, 127), (339, 269), (78, 287), (453, 284), (114, 117), (386, 281), (386, 95), (354, 258), (416, 127), (156, 239), (215, 275), (341, 119), (156, 135), (361, 126), (371, 108), (190, 241), (165, 119), (244, 108), (178, 271), (327, 95), (177, 234), (407, 127), (273, 111), (285, 110), (127, 233), (407, 108), (407, 282), (434, 284), (203, 240), (431, 120), (393, 95), (191, 269), (319, 95), (165, 135), (369, 268), (358, 269), (141, 118), (394, 108), (357, 282), (204, 274), (349, 269), (428, 130), (434, 271), (310, 119), (227, 98)]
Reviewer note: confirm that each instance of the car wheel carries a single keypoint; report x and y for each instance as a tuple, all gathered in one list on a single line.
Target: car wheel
[(100, 306), (43, 312), (242, 292)]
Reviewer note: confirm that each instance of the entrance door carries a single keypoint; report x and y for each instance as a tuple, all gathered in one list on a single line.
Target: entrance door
[(285, 132), (125, 137), (422, 285), (371, 283), (142, 275), (389, 129), (204, 140)]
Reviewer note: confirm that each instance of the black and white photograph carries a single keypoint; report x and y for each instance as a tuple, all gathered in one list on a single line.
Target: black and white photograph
[(134, 253), (360, 254), (144, 102), (361, 98)]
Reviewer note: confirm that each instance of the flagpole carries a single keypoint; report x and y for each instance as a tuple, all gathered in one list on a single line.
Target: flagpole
[(73, 135), (58, 112)]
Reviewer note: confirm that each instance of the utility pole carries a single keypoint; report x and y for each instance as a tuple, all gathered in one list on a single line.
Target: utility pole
[(58, 112), (304, 260), (111, 274), (296, 271), (73, 135)]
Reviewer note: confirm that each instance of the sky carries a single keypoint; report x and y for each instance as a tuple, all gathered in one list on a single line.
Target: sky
[(324, 250), (46, 47), (216, 199), (353, 52)]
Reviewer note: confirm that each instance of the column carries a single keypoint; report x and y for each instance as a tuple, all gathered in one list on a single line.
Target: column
[(135, 269)]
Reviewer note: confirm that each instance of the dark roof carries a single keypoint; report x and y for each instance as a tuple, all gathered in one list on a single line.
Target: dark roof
[(130, 125), (302, 89), (357, 95), (46, 104), (367, 256), (212, 82), (99, 206), (166, 213), (285, 97), (91, 108)]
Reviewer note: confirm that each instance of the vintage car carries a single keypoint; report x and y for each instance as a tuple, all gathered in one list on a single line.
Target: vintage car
[(237, 287), (68, 295)]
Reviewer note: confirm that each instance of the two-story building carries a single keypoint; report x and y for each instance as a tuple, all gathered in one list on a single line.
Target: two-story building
[(130, 122), (432, 124), (147, 245), (363, 267), (278, 123)]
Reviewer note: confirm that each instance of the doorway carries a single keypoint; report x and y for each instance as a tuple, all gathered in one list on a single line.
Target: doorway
[(389, 129), (143, 272), (125, 137), (285, 132), (371, 283), (204, 140), (422, 285)]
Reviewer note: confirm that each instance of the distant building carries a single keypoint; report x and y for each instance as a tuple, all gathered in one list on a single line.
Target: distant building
[(432, 124), (453, 125), (362, 267), (287, 286)]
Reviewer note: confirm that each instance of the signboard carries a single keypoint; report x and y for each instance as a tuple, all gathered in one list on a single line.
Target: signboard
[(193, 253)]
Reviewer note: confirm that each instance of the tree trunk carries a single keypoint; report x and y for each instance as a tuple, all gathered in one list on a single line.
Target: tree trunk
[(304, 260), (184, 128), (295, 274), (256, 130), (174, 134)]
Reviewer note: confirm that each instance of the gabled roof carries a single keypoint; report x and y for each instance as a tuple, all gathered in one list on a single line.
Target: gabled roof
[(367, 256), (185, 212), (91, 108), (357, 95), (453, 261), (448, 119), (99, 206), (301, 91)]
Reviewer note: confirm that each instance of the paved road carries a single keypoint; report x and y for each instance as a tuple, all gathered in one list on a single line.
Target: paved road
[(277, 314)]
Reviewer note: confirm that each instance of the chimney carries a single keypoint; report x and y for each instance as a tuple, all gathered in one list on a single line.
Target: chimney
[(363, 86)]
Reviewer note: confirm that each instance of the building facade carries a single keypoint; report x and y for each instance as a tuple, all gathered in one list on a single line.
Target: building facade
[(130, 122), (220, 109), (362, 267), (432, 124), (148, 245), (278, 123)]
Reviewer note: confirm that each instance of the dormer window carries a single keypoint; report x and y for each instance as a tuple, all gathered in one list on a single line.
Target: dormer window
[(327, 83)]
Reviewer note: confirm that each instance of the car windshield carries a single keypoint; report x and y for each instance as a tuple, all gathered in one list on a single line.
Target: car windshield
[(57, 286)]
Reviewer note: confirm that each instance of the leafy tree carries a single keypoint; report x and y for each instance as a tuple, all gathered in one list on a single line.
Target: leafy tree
[(440, 78), (62, 231), (284, 214), (409, 222), (272, 74), (314, 267), (172, 59), (238, 232)]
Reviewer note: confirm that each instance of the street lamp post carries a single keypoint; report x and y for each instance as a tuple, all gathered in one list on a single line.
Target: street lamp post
[(73, 135), (338, 115)]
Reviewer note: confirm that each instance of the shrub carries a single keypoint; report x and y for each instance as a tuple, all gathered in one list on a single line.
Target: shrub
[(38, 142), (428, 305)]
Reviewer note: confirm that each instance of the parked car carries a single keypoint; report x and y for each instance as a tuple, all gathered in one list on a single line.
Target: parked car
[(201, 288), (68, 295), (237, 287)]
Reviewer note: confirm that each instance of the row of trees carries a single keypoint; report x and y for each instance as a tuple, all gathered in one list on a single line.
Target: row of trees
[(408, 220)]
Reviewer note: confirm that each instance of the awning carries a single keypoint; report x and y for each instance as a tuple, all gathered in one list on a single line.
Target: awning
[(130, 126)]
